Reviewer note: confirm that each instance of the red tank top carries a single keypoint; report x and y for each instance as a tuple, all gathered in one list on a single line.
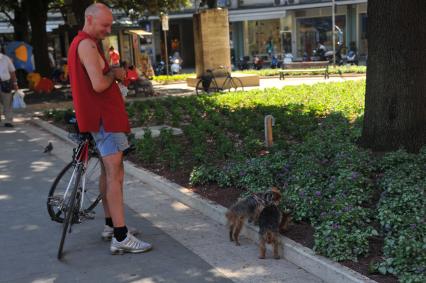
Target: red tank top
[(93, 108)]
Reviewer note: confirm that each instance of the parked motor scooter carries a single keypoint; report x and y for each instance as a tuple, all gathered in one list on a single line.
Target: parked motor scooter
[(339, 59), (257, 63), (175, 63), (275, 63), (352, 56), (160, 68), (318, 54), (175, 67), (243, 63)]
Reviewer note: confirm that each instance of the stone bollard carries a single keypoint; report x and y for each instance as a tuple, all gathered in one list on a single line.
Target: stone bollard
[(269, 123)]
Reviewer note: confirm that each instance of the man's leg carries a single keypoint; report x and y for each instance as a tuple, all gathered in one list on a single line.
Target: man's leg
[(1, 104), (114, 175), (7, 107), (122, 241), (103, 190)]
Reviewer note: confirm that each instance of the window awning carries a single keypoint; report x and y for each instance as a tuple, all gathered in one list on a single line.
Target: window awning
[(256, 14), (139, 32)]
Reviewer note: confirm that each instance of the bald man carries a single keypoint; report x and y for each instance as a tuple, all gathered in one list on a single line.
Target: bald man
[(100, 110)]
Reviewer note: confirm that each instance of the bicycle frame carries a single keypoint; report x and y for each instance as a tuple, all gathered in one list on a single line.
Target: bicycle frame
[(213, 83), (80, 158)]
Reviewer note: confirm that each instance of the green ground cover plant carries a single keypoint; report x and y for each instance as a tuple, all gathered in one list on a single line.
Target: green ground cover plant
[(348, 194)]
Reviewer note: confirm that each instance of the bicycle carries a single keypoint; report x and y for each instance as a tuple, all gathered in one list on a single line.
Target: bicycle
[(72, 197), (208, 83)]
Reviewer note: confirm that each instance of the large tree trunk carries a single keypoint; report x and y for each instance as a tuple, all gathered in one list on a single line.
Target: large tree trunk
[(78, 8), (20, 23), (38, 19), (395, 102)]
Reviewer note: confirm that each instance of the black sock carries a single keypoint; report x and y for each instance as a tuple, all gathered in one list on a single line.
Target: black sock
[(120, 233), (108, 221)]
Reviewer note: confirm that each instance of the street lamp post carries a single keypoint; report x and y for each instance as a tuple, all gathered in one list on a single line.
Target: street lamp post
[(333, 19), (165, 26)]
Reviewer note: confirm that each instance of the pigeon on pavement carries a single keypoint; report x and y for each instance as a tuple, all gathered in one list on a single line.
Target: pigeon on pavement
[(48, 148)]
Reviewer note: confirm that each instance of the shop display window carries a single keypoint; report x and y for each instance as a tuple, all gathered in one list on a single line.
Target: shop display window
[(313, 30), (264, 38)]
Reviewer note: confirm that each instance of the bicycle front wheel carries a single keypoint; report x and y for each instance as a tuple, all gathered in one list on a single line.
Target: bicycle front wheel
[(235, 84), (71, 209), (66, 179)]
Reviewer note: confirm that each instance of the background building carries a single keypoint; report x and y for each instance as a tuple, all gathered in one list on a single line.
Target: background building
[(262, 27)]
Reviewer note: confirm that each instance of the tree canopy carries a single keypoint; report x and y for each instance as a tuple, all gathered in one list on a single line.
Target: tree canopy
[(22, 15)]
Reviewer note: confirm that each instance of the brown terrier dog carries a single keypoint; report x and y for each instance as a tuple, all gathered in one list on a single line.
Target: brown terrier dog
[(269, 230), (249, 207)]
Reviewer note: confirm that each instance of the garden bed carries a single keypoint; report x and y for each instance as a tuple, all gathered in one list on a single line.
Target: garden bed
[(365, 211), (300, 232)]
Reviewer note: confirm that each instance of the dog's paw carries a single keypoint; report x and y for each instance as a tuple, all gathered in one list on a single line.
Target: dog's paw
[(277, 257), (261, 257)]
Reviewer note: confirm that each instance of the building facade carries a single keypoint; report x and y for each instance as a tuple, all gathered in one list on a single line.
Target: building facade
[(257, 27), (265, 27)]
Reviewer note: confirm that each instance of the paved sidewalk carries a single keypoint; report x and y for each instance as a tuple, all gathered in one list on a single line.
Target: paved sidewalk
[(188, 247), (29, 240)]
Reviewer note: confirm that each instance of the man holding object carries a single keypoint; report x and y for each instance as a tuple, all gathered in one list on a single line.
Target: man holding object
[(100, 110)]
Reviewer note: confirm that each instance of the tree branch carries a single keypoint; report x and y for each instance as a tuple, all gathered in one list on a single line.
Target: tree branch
[(7, 15)]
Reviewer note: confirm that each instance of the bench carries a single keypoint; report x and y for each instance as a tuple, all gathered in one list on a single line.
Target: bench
[(299, 67)]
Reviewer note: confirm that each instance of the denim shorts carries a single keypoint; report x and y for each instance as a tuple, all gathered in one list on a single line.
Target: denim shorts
[(110, 143)]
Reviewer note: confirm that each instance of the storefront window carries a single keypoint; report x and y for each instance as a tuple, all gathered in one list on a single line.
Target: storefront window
[(314, 30), (126, 48), (363, 35), (264, 38), (223, 3), (108, 42)]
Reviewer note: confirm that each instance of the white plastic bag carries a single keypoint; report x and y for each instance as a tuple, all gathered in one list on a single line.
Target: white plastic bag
[(18, 100), (123, 89)]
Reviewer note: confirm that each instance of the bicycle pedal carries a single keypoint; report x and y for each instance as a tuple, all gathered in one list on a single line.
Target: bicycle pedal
[(54, 201), (88, 215)]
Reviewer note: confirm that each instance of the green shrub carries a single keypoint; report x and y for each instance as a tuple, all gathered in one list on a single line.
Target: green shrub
[(402, 215), (146, 147), (163, 79), (171, 152), (57, 115)]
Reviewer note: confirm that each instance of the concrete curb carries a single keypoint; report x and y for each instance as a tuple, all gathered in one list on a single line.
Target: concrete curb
[(294, 252)]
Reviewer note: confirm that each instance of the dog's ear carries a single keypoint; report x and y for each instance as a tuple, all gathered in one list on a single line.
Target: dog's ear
[(276, 194)]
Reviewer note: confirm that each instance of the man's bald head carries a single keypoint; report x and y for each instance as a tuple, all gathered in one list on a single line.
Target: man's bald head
[(98, 20), (95, 9)]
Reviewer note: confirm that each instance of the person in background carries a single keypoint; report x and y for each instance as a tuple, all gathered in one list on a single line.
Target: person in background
[(52, 61), (132, 74), (114, 57), (8, 83)]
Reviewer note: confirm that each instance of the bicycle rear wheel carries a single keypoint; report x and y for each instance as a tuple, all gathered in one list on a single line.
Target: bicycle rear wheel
[(65, 179), (71, 209), (235, 84), (200, 89)]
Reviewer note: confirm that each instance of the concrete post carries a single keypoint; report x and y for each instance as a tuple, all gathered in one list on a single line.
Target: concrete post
[(211, 39)]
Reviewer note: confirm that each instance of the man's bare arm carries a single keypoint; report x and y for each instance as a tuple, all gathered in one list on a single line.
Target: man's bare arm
[(89, 57), (14, 80)]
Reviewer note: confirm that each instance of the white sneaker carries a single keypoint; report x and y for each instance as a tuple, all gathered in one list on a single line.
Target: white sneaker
[(129, 245), (108, 232)]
